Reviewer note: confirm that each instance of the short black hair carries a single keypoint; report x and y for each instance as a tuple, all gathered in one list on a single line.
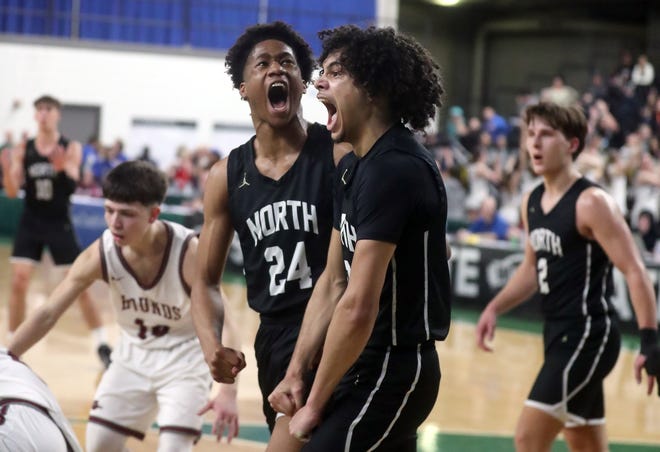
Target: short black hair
[(135, 181), (570, 121), (239, 52), (48, 100), (389, 64)]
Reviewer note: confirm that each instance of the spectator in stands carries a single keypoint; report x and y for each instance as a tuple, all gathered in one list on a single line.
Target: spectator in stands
[(145, 156), (470, 138), (601, 121), (624, 108), (444, 155), (524, 98), (482, 181), (456, 124), (646, 233), (646, 186), (90, 152), (559, 92), (181, 173), (494, 123), (591, 162), (598, 87), (108, 158), (624, 69), (489, 225), (642, 77)]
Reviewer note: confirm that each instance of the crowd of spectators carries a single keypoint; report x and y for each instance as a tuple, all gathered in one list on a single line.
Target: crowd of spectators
[(483, 163)]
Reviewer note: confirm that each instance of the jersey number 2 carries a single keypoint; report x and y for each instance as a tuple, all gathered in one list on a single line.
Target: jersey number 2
[(542, 272), (298, 268)]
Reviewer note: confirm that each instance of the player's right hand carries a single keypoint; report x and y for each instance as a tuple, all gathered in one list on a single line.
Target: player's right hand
[(287, 397), (226, 364), (486, 329)]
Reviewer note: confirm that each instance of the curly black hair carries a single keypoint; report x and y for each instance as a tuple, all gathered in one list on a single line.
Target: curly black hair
[(238, 53), (389, 64)]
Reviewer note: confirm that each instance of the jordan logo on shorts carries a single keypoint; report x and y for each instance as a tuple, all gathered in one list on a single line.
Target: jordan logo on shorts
[(96, 405)]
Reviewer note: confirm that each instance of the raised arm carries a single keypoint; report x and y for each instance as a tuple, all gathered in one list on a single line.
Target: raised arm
[(207, 303), (522, 285), (287, 397), (84, 271), (599, 218)]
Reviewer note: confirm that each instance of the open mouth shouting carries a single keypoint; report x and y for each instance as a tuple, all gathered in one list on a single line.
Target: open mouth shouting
[(278, 96), (332, 115)]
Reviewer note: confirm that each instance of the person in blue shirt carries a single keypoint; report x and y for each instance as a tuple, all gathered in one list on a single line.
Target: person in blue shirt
[(489, 224)]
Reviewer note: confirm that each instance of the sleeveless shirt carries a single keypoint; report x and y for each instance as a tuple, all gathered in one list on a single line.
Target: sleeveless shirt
[(574, 273), (156, 315), (46, 194), (283, 225)]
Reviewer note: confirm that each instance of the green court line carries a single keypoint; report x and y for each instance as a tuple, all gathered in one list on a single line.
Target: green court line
[(430, 440), (450, 442)]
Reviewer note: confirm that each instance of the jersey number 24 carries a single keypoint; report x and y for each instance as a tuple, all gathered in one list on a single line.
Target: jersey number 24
[(280, 273)]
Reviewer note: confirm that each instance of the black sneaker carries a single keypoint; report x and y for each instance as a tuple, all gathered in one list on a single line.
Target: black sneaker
[(104, 354)]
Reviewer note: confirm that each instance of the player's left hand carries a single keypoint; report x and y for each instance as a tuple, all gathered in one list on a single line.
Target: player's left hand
[(226, 414), (651, 364), (226, 364), (303, 422), (648, 358)]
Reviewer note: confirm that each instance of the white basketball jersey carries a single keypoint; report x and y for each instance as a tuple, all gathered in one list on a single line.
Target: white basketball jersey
[(17, 381), (156, 315)]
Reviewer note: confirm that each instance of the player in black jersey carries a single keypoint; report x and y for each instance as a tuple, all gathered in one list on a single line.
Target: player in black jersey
[(379, 374), (575, 233), (275, 191), (48, 167)]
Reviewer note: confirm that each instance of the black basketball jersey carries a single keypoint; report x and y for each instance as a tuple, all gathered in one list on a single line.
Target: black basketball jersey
[(46, 194), (574, 273), (395, 194), (283, 225)]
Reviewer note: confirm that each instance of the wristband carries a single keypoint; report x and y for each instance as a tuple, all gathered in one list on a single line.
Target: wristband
[(648, 339)]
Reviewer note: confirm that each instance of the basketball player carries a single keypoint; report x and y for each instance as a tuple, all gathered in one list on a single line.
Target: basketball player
[(49, 165), (575, 235), (379, 374), (158, 366), (30, 418), (275, 191)]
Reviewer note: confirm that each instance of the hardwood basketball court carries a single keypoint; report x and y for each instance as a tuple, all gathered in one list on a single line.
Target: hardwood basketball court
[(481, 394)]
